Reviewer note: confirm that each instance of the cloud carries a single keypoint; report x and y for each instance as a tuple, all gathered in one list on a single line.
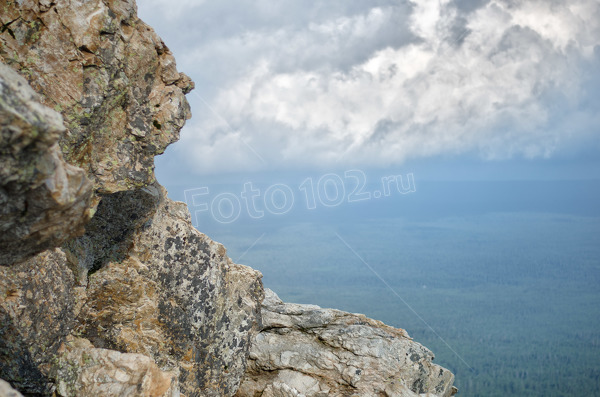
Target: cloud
[(344, 83)]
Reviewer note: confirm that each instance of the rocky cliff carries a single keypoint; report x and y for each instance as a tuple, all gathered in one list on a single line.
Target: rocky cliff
[(105, 287), (304, 350)]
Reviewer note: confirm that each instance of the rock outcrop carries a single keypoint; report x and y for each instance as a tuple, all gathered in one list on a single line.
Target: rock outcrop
[(111, 77), (43, 200), (106, 289), (303, 350), (173, 295), (140, 280)]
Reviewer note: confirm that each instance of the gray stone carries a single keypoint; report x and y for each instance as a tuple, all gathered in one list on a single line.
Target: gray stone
[(83, 370), (306, 350), (142, 303), (43, 200)]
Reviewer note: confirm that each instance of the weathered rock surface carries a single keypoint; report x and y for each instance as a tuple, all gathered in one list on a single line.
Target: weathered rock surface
[(37, 312), (186, 305), (43, 200), (175, 297), (163, 290), (87, 371), (304, 350), (157, 286), (111, 77)]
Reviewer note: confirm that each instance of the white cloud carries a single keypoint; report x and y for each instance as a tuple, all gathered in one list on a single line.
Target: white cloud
[(381, 86)]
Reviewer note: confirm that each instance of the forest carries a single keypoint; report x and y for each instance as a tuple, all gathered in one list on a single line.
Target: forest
[(500, 280)]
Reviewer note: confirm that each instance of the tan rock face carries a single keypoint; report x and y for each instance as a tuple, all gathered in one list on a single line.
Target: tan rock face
[(43, 200), (175, 297), (304, 350), (163, 290), (141, 280), (111, 77)]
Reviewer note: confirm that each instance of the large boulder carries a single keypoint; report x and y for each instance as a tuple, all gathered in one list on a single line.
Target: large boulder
[(304, 350), (141, 303)]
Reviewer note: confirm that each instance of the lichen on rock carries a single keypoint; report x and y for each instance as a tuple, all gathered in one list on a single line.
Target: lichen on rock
[(176, 297), (37, 313)]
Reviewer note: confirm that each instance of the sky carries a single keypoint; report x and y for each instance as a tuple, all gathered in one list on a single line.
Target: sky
[(447, 90), (479, 87)]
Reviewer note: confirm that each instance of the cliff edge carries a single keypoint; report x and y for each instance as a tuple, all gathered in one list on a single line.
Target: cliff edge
[(106, 289)]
